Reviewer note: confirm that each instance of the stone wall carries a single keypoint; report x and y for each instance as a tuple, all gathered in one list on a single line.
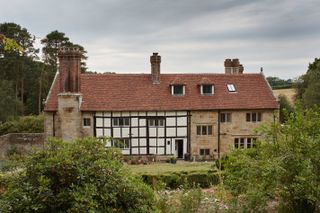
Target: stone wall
[(20, 143)]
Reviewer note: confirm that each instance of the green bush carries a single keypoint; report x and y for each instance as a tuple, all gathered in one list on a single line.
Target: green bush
[(26, 124), (82, 176), (174, 180)]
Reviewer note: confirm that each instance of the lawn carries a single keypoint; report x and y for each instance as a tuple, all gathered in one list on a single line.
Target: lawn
[(161, 168)]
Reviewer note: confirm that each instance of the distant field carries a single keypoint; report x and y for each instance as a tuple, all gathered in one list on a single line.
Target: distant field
[(289, 93), (160, 168)]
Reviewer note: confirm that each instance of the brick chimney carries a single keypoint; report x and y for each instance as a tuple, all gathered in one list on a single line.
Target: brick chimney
[(69, 69), (155, 60), (233, 66)]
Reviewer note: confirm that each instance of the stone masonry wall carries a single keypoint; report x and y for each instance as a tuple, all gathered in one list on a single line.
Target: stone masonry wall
[(20, 142)]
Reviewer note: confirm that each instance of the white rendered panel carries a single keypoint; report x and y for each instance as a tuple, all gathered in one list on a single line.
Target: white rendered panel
[(134, 121), (170, 113), (182, 121), (116, 133), (134, 113), (125, 114), (142, 113), (134, 142), (116, 114), (171, 132), (160, 113), (99, 132), (107, 132), (171, 121), (181, 113), (142, 122), (143, 142), (160, 141), (99, 122), (152, 142), (152, 150), (182, 131), (160, 151), (168, 150), (98, 113), (143, 151), (151, 113), (107, 114), (160, 132), (142, 132), (134, 132), (135, 151), (107, 122), (152, 132), (125, 132), (126, 151)]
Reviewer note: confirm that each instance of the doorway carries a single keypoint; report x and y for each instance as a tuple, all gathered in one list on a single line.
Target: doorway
[(179, 148)]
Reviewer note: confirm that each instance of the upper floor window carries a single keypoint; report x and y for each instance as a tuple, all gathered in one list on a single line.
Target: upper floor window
[(86, 122), (207, 89), (231, 87), (156, 122), (225, 117), (254, 117), (244, 143), (204, 130), (178, 90), (121, 121)]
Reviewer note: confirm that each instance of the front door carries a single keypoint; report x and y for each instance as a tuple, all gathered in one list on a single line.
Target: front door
[(179, 148)]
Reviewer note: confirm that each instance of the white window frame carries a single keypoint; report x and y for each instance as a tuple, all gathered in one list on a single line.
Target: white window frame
[(86, 126), (118, 125), (183, 90), (206, 94), (231, 88), (122, 140)]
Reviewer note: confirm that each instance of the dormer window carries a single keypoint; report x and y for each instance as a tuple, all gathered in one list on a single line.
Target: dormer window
[(178, 90), (207, 89), (231, 88)]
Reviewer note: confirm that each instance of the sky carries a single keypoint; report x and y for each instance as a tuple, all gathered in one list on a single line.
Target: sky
[(192, 36)]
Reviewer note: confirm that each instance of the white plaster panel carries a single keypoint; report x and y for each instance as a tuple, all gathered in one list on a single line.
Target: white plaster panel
[(125, 132), (134, 132), (116, 114), (143, 142), (151, 113), (107, 114), (107, 132), (142, 113), (134, 121), (160, 141), (99, 122), (171, 121), (125, 114), (99, 132), (160, 132), (98, 113), (142, 122), (134, 142), (181, 113), (160, 151), (170, 113), (134, 113), (126, 151), (152, 150), (152, 132), (171, 132), (182, 121), (152, 142), (182, 131), (107, 122), (116, 133), (135, 151), (143, 151), (142, 132), (160, 113)]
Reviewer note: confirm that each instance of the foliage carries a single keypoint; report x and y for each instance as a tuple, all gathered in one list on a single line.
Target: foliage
[(174, 180), (8, 105), (9, 45), (277, 83), (308, 85), (285, 108), (26, 124), (82, 176), (285, 166)]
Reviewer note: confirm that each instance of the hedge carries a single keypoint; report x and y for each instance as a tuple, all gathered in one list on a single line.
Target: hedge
[(174, 180), (26, 124)]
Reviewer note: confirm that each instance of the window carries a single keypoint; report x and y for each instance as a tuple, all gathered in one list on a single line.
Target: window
[(121, 121), (204, 151), (87, 122), (123, 143), (242, 143), (231, 87), (225, 117), (156, 122), (204, 130), (206, 89), (178, 90), (254, 117)]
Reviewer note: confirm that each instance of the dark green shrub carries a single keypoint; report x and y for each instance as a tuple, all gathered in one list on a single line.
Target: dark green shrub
[(82, 176), (27, 124)]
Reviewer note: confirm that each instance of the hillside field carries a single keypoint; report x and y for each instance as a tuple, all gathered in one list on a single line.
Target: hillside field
[(289, 93)]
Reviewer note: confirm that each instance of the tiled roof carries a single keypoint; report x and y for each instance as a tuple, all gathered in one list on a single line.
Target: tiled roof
[(136, 92)]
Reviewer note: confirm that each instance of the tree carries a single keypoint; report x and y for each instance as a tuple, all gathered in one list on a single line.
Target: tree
[(8, 103), (82, 176), (285, 108), (308, 85), (9, 45), (284, 167)]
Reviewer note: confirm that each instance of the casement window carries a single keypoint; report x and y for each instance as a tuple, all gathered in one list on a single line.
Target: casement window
[(178, 90), (123, 143), (86, 122), (254, 117), (206, 90), (121, 121), (225, 117), (204, 152), (231, 88), (156, 122), (204, 130), (244, 143)]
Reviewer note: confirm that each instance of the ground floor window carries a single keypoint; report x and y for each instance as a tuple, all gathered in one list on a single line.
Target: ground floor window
[(86, 122), (204, 151), (122, 143), (244, 143)]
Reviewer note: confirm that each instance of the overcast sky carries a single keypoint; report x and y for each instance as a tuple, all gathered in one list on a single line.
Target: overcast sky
[(192, 36)]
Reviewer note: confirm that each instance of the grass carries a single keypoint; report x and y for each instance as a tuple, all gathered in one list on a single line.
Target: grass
[(161, 168), (289, 93)]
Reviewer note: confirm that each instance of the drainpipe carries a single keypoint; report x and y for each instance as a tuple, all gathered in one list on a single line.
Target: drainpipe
[(54, 125), (219, 134)]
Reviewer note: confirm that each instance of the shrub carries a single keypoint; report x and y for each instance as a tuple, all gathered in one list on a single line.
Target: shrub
[(27, 124), (83, 176)]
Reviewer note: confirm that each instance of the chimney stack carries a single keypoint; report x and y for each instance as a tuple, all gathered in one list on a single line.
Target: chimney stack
[(233, 66), (155, 60), (69, 69)]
